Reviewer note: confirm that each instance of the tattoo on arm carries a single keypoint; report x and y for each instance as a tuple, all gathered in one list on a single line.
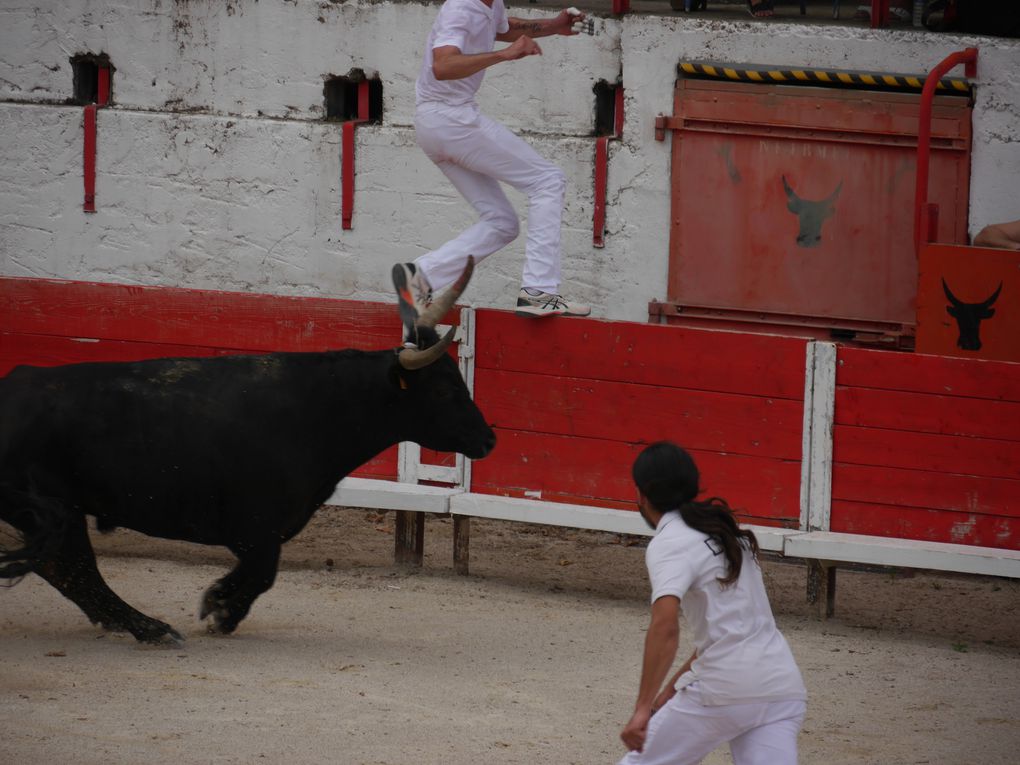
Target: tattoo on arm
[(525, 27)]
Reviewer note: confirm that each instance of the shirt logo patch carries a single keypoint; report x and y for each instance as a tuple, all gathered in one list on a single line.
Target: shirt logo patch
[(714, 545)]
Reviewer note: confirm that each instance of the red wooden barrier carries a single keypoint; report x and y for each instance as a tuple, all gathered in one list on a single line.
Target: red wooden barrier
[(574, 401), (47, 322), (927, 447)]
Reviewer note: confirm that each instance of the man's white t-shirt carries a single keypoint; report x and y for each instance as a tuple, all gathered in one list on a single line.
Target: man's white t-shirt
[(471, 26), (742, 656)]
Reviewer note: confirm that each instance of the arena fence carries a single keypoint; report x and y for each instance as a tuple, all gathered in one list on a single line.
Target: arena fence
[(830, 453)]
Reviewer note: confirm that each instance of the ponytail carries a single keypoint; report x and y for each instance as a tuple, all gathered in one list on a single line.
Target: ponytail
[(667, 476)]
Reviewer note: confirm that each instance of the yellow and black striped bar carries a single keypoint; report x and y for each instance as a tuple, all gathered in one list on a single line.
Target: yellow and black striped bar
[(825, 77)]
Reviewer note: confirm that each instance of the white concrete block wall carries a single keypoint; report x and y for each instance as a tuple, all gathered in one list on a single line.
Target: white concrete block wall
[(215, 170)]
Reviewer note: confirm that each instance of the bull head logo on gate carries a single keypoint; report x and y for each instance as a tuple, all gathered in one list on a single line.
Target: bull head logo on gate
[(811, 214), (969, 316)]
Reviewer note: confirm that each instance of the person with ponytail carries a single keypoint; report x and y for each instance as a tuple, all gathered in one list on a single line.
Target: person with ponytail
[(741, 685)]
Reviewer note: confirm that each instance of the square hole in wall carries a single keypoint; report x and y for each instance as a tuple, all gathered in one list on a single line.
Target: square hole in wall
[(605, 108), (87, 68), (340, 95)]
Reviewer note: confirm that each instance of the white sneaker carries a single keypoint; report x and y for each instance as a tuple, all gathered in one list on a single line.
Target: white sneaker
[(414, 294), (406, 276), (536, 304)]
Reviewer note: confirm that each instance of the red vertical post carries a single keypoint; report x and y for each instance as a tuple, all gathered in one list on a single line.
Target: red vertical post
[(347, 175), (601, 177), (103, 94), (621, 7), (602, 170), (347, 158), (363, 101), (89, 164), (967, 57)]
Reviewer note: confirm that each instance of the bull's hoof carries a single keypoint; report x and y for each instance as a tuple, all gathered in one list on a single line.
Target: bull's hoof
[(215, 604), (147, 630)]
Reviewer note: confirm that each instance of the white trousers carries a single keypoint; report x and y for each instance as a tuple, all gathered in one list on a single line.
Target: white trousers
[(684, 732), (477, 153)]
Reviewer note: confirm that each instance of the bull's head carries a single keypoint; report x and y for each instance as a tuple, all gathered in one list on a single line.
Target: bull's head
[(969, 316), (438, 409), (810, 214)]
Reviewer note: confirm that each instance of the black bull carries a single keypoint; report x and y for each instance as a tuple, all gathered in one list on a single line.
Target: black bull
[(237, 451)]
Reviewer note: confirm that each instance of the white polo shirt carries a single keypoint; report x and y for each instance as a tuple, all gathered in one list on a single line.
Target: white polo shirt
[(471, 26), (742, 656)]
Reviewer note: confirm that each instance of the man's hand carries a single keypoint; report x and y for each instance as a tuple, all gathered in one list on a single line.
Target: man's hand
[(521, 47), (633, 734), (564, 23)]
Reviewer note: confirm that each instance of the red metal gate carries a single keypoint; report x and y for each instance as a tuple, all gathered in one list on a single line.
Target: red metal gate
[(791, 205)]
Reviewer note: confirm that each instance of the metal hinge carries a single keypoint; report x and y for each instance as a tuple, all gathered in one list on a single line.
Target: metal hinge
[(666, 122)]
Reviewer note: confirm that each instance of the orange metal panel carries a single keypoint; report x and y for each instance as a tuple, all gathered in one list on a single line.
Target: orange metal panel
[(797, 200), (968, 302)]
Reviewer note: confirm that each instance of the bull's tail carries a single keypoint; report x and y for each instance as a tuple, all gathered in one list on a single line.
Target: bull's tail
[(38, 527)]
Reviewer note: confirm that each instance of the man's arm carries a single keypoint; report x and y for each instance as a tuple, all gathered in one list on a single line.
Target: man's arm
[(1005, 236), (448, 63), (660, 651), (563, 24)]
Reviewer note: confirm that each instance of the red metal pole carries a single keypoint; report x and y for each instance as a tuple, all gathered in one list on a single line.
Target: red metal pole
[(103, 96), (621, 7), (347, 175), (601, 176), (969, 58), (363, 101), (89, 169)]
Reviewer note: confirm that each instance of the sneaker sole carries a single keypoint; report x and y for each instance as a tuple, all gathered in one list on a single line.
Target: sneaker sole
[(541, 314)]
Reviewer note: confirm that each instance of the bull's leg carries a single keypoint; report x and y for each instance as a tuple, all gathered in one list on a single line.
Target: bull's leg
[(230, 599), (72, 570)]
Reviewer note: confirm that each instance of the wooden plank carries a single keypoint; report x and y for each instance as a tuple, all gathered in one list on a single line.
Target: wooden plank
[(695, 359), (617, 411), (920, 373), (928, 413), (581, 517), (908, 553), (50, 350), (930, 525), (391, 495), (992, 458), (928, 489), (194, 317), (597, 472)]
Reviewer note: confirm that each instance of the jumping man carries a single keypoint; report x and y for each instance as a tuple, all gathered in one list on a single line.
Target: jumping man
[(477, 153)]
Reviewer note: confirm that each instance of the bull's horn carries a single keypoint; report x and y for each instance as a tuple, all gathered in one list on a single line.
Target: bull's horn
[(952, 298), (793, 201), (834, 194), (416, 358), (442, 304), (993, 298)]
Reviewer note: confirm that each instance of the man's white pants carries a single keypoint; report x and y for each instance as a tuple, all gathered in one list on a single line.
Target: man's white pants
[(477, 153), (684, 732)]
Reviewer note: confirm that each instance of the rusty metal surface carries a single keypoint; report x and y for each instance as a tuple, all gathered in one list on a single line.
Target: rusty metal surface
[(797, 200)]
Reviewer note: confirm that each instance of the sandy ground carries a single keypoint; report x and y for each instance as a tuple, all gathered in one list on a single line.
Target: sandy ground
[(533, 658)]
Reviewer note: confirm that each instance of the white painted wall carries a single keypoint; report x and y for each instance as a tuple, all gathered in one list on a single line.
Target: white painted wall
[(216, 171)]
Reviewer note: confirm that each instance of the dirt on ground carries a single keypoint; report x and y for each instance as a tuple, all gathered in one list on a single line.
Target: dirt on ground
[(532, 658)]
